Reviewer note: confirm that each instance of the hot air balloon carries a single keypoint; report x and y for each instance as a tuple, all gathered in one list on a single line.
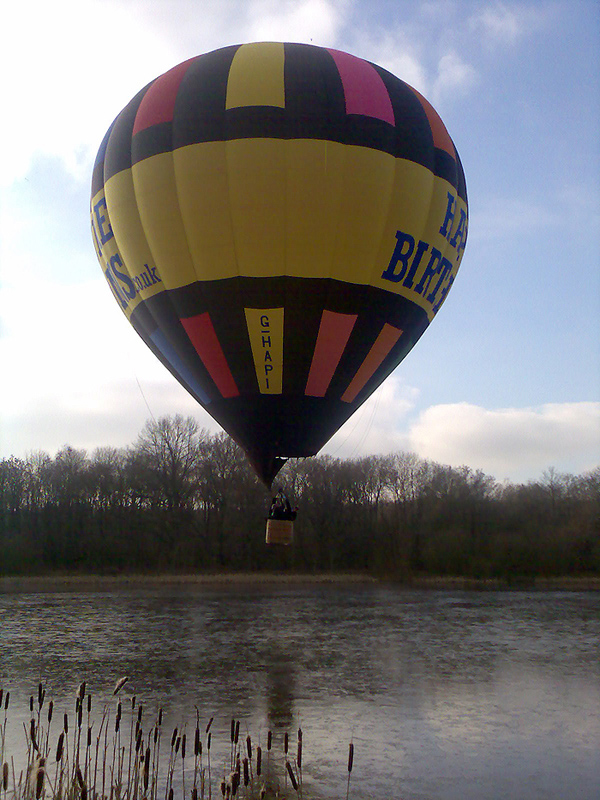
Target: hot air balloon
[(280, 223)]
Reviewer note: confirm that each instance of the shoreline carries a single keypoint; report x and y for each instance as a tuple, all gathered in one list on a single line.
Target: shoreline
[(69, 582)]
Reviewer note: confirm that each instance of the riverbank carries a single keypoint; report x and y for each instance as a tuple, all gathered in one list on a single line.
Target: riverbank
[(105, 583)]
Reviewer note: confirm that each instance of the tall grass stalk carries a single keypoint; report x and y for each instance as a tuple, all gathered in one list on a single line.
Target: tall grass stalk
[(95, 759)]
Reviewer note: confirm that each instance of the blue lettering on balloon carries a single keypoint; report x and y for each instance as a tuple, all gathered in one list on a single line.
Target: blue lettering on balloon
[(129, 288), (449, 218), (400, 255), (104, 228)]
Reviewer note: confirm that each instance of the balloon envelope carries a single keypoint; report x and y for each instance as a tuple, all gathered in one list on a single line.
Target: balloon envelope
[(280, 223)]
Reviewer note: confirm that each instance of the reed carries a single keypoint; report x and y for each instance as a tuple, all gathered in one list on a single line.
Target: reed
[(116, 754)]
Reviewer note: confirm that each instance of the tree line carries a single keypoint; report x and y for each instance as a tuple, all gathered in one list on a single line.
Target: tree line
[(183, 499)]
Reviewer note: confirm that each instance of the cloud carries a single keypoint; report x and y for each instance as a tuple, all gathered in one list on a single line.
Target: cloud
[(63, 108), (505, 24), (88, 417), (510, 443), (499, 22), (316, 21), (68, 69), (454, 77), (379, 425)]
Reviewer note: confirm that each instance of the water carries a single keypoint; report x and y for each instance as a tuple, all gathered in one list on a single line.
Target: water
[(482, 695)]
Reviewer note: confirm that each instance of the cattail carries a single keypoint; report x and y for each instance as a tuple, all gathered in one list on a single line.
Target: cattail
[(299, 754), (120, 684), (258, 760), (350, 757), (197, 742), (194, 793), (31, 703), (223, 786), (235, 782), (183, 742), (79, 715), (138, 741), (171, 793), (160, 716), (286, 743), (5, 776), (263, 793), (232, 734), (32, 734), (41, 694), (81, 692), (89, 703), (140, 710), (246, 773), (66, 723), (174, 738), (50, 711), (237, 732), (249, 746), (39, 782), (290, 771), (210, 722), (133, 702), (79, 777), (1, 695), (146, 768), (269, 740), (83, 795), (208, 741), (89, 736), (59, 747), (6, 699)]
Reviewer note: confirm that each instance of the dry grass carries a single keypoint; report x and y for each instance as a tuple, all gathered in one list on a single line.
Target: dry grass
[(120, 754)]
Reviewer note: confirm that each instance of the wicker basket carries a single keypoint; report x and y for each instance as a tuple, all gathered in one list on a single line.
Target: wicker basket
[(280, 531)]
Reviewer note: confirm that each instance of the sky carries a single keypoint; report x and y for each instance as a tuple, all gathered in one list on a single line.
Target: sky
[(507, 377)]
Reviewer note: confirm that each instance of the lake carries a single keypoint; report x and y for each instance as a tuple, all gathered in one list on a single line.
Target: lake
[(448, 694)]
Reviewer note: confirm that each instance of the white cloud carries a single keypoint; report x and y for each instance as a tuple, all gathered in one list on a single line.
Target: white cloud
[(397, 51), (507, 23), (510, 443), (316, 21), (75, 65), (87, 417), (379, 425), (454, 77), (499, 22)]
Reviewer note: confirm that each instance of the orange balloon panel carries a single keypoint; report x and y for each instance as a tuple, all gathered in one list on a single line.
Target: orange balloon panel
[(280, 223)]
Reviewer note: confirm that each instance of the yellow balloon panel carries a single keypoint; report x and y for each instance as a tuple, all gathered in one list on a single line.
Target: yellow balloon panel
[(157, 199), (256, 76), (202, 180)]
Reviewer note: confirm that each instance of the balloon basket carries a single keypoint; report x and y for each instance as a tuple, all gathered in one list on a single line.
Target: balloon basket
[(280, 531)]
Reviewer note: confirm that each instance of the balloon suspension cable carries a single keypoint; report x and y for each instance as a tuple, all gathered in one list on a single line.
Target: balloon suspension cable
[(360, 416), (137, 380)]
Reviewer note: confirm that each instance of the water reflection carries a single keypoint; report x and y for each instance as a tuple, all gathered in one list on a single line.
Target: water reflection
[(279, 669), (445, 694)]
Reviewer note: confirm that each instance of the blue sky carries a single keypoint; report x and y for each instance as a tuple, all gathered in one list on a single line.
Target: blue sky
[(506, 379)]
